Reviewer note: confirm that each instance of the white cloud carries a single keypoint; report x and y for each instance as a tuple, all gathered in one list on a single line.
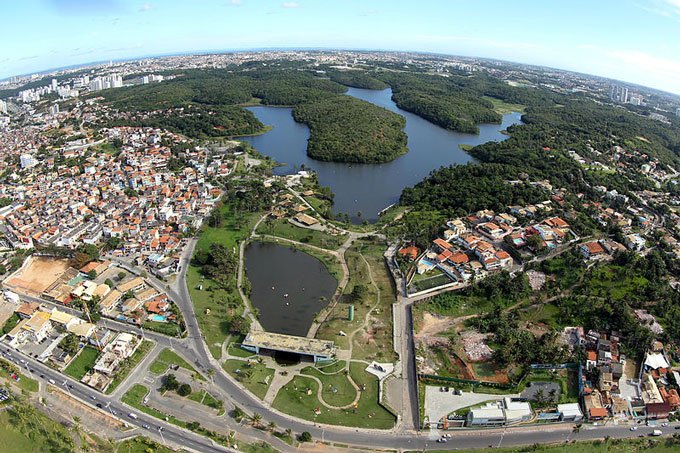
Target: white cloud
[(647, 69), (290, 5), (235, 2), (146, 7)]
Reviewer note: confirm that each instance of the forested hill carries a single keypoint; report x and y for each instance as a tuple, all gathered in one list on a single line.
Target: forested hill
[(538, 150), (345, 129), (203, 104)]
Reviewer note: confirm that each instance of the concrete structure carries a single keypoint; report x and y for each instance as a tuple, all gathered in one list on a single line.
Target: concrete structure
[(570, 412), (258, 340)]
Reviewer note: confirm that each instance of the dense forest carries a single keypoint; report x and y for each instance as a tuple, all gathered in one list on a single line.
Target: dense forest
[(357, 79), (345, 129), (209, 103), (537, 150), (449, 102)]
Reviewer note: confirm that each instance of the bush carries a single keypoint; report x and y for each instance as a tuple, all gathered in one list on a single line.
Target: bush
[(184, 390), (305, 437)]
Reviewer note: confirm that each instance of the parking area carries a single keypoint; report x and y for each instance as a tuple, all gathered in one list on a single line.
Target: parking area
[(542, 391), (439, 404)]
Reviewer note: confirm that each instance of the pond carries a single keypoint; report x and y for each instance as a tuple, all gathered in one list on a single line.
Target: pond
[(369, 188), (289, 287)]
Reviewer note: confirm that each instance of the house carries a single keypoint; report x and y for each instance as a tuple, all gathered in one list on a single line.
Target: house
[(490, 230), (635, 242), (82, 330), (63, 320), (516, 411), (410, 252), (118, 350), (27, 309), (130, 305), (441, 245), (656, 411), (134, 284), (109, 302), (570, 412), (97, 266), (591, 249), (305, 219), (35, 329)]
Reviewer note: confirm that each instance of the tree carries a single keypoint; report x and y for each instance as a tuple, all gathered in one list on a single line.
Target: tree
[(271, 426), (256, 419), (359, 292), (238, 413), (170, 382), (184, 390), (305, 437), (121, 275), (92, 274), (238, 325)]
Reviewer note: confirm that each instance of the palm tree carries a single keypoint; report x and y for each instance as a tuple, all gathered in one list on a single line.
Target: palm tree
[(256, 419), (289, 433), (271, 426), (211, 373)]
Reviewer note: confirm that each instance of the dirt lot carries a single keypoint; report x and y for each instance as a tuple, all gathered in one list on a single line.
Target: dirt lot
[(6, 310), (37, 274)]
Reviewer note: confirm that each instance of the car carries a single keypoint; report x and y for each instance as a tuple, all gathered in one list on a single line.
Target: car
[(664, 424), (99, 405), (633, 428), (92, 397), (677, 427), (70, 386), (146, 426), (51, 381), (42, 376)]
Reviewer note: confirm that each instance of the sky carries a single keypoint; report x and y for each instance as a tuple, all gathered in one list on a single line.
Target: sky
[(636, 41)]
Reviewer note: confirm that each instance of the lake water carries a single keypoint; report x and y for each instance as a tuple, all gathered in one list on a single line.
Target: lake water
[(302, 277), (369, 188)]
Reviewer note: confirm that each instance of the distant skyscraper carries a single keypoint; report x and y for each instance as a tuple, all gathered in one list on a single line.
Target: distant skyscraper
[(54, 109), (3, 107), (635, 99), (677, 112), (618, 93), (54, 84)]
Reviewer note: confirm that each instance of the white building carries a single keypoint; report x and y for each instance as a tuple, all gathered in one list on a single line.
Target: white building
[(570, 412), (3, 107), (28, 161)]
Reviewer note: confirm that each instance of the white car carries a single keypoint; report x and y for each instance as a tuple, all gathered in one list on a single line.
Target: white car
[(633, 428)]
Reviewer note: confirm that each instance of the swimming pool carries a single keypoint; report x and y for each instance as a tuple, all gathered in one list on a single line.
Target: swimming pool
[(158, 318)]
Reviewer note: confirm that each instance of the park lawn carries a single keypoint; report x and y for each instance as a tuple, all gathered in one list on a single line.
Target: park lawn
[(255, 381), (141, 445), (168, 357), (503, 107), (236, 351), (206, 399), (294, 400), (331, 367), (219, 302), (129, 364), (83, 363), (284, 229), (320, 205), (35, 433), (337, 390), (170, 329)]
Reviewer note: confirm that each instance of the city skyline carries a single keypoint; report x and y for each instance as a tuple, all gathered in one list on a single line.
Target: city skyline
[(644, 51)]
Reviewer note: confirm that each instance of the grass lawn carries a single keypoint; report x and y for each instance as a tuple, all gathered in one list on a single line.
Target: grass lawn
[(141, 445), (283, 228), (294, 400), (134, 397), (213, 305), (83, 363), (337, 390), (427, 281), (503, 107), (237, 351), (206, 399), (331, 367), (484, 369), (168, 357), (614, 280), (24, 383), (170, 329), (25, 429), (548, 314), (253, 377), (129, 364)]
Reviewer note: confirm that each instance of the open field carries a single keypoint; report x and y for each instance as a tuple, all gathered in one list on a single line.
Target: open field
[(283, 228), (255, 377), (25, 429), (83, 363), (37, 274), (24, 383), (503, 107), (337, 390)]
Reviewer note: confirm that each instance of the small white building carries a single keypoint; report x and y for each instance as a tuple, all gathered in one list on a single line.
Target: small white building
[(570, 412)]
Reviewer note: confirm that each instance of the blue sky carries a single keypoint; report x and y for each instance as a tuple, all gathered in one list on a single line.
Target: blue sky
[(632, 40)]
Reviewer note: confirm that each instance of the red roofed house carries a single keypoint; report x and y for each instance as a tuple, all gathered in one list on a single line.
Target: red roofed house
[(410, 252), (591, 249)]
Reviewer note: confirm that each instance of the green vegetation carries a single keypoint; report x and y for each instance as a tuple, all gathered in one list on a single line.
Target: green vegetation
[(140, 445), (11, 323), (345, 129), (134, 397), (283, 228), (25, 383), (453, 102), (337, 390), (255, 376), (166, 358), (358, 79), (205, 398), (24, 429), (294, 399), (82, 364), (503, 107), (129, 364)]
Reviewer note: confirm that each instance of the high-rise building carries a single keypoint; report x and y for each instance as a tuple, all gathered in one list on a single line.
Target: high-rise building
[(618, 93), (677, 112), (54, 84), (54, 109), (3, 106), (635, 99)]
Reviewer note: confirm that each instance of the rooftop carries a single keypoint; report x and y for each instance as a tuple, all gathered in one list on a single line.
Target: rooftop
[(289, 343)]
